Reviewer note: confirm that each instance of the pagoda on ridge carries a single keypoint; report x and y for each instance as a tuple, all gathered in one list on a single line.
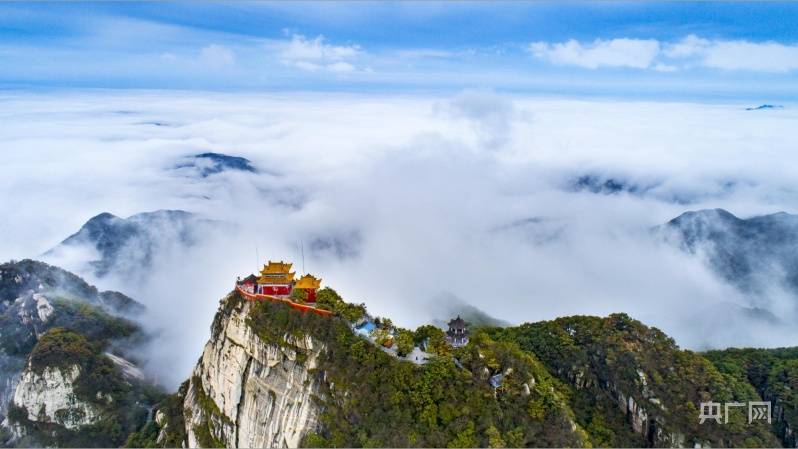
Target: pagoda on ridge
[(276, 279), (457, 335)]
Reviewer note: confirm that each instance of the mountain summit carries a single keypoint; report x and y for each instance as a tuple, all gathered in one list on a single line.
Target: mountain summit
[(129, 244)]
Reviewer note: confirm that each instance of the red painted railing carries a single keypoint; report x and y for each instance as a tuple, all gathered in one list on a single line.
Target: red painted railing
[(296, 306)]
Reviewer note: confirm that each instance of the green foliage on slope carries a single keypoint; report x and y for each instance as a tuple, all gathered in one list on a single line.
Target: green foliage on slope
[(90, 320), (170, 431), (774, 374), (610, 361), (575, 381), (329, 299), (60, 348), (378, 400)]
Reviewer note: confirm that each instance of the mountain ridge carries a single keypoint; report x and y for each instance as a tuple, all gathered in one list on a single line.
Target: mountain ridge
[(574, 381), (133, 241), (750, 253)]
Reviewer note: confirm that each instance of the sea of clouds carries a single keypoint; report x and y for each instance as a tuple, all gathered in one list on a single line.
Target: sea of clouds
[(400, 201)]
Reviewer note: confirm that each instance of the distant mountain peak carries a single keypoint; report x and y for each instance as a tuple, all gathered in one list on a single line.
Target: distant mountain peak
[(765, 107), (103, 216), (726, 216), (210, 163), (717, 213), (755, 254), (134, 238)]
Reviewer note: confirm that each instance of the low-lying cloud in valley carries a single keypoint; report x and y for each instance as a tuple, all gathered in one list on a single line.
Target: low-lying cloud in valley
[(397, 203)]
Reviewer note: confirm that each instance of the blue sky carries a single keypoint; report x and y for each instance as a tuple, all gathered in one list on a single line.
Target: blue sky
[(662, 50)]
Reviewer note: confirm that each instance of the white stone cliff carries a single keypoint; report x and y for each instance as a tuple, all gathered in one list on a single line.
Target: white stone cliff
[(249, 393), (29, 310), (50, 397)]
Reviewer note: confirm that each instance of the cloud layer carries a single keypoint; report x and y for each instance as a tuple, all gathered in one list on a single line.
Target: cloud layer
[(401, 199), (691, 51)]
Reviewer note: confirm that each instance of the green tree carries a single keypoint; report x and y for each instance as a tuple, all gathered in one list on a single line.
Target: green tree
[(495, 437), (404, 342), (434, 338), (465, 438), (298, 295)]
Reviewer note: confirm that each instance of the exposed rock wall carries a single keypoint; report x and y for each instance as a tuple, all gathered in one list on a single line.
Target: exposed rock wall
[(10, 372), (29, 312), (50, 397), (249, 393)]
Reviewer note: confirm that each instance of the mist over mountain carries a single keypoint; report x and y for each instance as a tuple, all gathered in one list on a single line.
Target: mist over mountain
[(207, 164), (107, 243), (759, 255), (658, 188), (398, 224), (397, 203)]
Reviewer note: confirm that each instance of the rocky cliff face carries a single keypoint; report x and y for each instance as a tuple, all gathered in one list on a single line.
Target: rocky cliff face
[(246, 392), (23, 321), (50, 397)]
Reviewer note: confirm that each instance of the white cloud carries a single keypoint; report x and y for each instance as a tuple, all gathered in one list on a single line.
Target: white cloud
[(435, 209), (217, 55), (660, 67), (736, 55), (425, 53), (634, 53), (690, 46), (491, 115), (315, 54), (341, 67), (691, 51)]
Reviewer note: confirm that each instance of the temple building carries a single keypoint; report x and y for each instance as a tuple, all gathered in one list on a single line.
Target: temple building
[(309, 284), (249, 283), (276, 278), (457, 335)]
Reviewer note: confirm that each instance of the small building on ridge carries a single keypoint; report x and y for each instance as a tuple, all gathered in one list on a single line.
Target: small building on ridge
[(457, 335), (309, 284), (276, 279)]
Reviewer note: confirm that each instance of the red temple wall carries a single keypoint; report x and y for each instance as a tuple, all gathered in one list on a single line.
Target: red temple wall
[(275, 289), (311, 296)]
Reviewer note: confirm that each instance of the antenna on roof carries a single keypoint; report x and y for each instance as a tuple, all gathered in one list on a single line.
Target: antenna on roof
[(302, 248), (257, 259)]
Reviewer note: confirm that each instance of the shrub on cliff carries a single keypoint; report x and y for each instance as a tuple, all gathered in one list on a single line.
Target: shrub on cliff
[(61, 348)]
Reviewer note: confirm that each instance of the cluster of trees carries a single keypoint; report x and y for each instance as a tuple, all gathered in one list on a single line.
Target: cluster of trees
[(329, 299), (61, 348), (774, 374), (171, 428), (379, 400), (603, 359)]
